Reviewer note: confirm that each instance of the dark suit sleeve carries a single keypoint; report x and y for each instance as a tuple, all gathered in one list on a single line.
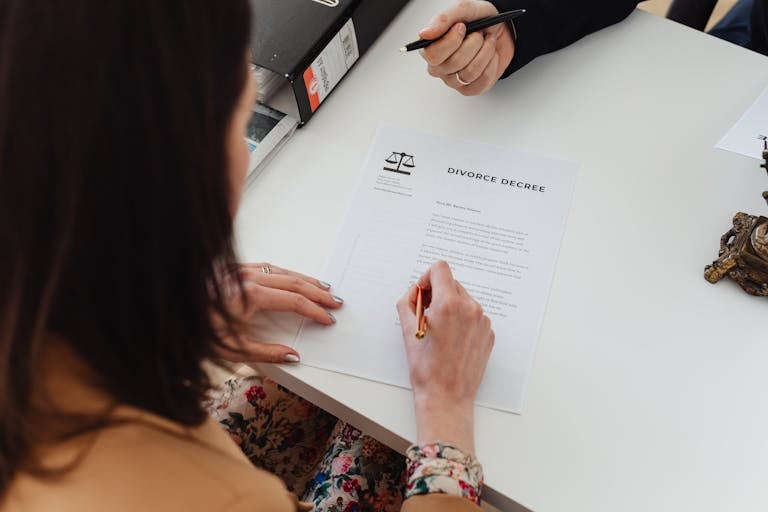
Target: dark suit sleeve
[(549, 25), (758, 31)]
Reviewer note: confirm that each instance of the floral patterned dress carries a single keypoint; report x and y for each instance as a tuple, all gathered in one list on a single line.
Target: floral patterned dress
[(321, 459)]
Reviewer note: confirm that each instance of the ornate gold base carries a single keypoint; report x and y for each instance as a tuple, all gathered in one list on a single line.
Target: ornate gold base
[(743, 255)]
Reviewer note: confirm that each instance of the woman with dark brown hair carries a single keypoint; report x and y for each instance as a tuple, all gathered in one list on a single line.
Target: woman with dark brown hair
[(122, 163)]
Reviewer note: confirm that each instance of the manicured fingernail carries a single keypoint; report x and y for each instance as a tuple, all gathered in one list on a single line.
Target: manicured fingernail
[(291, 358), (462, 29), (428, 27), (338, 300), (333, 318), (325, 285)]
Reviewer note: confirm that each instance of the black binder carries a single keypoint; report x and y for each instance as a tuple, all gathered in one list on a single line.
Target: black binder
[(314, 43)]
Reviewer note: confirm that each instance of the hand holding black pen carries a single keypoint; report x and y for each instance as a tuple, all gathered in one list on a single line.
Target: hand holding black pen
[(471, 27), (468, 61)]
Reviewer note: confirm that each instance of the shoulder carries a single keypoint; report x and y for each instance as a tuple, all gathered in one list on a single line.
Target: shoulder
[(143, 466)]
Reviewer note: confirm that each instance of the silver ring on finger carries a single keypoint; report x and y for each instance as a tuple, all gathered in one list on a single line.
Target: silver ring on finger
[(266, 269), (462, 82)]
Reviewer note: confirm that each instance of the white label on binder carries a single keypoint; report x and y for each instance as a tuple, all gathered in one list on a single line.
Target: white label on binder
[(331, 65)]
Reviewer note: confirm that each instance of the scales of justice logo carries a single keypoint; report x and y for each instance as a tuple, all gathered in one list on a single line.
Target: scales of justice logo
[(401, 163)]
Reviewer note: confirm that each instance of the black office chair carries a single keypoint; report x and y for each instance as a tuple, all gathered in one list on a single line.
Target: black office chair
[(694, 13)]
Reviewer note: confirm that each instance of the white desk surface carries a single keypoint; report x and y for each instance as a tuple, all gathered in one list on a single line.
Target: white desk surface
[(650, 385)]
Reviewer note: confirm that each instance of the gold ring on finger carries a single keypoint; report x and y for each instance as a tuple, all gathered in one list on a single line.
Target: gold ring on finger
[(462, 82)]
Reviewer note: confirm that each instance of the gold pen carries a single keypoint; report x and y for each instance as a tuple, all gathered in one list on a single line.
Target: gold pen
[(421, 320)]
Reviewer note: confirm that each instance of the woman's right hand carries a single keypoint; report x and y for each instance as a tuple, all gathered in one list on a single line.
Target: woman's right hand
[(447, 365)]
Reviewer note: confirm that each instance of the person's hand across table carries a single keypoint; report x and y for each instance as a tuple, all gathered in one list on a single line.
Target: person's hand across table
[(472, 63)]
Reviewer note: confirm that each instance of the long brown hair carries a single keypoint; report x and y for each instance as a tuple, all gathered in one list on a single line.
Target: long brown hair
[(114, 195)]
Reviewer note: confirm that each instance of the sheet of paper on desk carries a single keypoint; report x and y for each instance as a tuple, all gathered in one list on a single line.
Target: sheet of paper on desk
[(496, 215), (744, 136)]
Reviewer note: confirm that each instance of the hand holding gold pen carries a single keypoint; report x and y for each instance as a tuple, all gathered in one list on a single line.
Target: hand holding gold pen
[(421, 319), (446, 367)]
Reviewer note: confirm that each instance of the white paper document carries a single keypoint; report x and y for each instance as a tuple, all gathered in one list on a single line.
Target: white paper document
[(496, 215), (746, 136)]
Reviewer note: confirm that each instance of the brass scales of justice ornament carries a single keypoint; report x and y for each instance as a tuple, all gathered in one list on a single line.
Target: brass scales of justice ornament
[(743, 255)]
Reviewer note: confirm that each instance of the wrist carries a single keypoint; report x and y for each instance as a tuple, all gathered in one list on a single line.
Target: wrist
[(447, 421), (506, 44), (438, 398)]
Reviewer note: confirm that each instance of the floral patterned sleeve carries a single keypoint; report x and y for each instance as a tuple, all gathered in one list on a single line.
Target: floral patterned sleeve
[(443, 468)]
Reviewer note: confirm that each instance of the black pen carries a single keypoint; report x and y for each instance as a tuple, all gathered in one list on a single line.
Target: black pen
[(472, 26)]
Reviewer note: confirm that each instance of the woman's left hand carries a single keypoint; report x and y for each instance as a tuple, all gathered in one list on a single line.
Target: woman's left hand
[(273, 289)]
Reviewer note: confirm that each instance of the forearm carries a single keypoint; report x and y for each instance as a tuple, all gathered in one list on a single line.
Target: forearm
[(549, 25)]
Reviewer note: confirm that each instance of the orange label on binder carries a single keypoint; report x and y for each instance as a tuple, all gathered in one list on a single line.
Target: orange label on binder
[(331, 65), (313, 92)]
